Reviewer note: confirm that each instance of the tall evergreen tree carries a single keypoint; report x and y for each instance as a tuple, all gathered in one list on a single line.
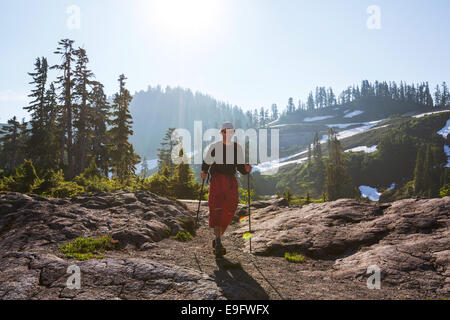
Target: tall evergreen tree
[(11, 142), (83, 116), (437, 96), (274, 112), (337, 179), (310, 104), (100, 119), (123, 158), (165, 151), (41, 145), (145, 172), (445, 96), (419, 174), (290, 106), (66, 84)]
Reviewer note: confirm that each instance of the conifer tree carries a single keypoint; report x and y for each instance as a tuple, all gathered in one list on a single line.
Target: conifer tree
[(310, 103), (122, 155), (83, 116), (101, 112), (66, 84), (39, 138), (419, 174), (337, 178), (11, 142), (165, 151), (274, 112), (145, 170), (182, 182)]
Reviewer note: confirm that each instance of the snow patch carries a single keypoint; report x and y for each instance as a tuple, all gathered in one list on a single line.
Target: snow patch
[(266, 166), (353, 114), (310, 119), (370, 193), (363, 148), (447, 152), (445, 130), (351, 132), (340, 135), (391, 187), (342, 125), (428, 113)]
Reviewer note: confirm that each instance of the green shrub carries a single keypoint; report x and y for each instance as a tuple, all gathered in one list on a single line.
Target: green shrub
[(183, 236), (294, 257), (24, 179), (445, 190), (87, 248)]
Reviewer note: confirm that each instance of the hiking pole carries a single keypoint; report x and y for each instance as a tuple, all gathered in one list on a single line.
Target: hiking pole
[(249, 216), (199, 202), (201, 195)]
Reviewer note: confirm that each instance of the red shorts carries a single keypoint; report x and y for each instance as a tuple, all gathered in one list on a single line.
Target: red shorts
[(223, 199)]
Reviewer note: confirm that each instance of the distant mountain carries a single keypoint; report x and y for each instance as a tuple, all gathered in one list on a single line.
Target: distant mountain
[(381, 147), (155, 110), (297, 129)]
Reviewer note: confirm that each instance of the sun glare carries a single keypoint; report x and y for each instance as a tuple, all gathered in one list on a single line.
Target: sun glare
[(186, 17)]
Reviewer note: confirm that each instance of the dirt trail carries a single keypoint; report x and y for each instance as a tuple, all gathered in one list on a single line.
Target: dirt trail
[(263, 277)]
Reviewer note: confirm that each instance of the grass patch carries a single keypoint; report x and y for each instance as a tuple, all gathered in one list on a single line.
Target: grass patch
[(294, 257), (183, 236), (87, 248)]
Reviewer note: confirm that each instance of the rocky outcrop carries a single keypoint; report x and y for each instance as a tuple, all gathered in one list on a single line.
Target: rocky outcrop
[(45, 276), (135, 219), (32, 227), (409, 240)]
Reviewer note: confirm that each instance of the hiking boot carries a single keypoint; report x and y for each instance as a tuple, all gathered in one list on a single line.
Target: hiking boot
[(220, 251)]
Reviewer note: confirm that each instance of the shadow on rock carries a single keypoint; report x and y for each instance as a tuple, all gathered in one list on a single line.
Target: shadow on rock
[(236, 283)]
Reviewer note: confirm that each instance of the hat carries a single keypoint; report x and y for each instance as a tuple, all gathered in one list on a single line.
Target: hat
[(227, 125)]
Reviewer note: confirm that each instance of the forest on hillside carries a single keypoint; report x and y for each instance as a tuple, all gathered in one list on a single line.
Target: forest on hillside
[(409, 154)]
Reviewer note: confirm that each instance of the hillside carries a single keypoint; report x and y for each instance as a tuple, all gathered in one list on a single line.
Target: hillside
[(383, 150), (408, 240), (155, 110)]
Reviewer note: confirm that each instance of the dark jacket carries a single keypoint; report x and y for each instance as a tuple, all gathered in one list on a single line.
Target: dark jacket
[(224, 166)]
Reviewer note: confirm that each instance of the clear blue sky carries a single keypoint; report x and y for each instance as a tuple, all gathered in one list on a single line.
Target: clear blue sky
[(250, 53)]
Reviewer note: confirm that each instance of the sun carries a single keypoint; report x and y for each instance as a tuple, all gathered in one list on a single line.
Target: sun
[(185, 17)]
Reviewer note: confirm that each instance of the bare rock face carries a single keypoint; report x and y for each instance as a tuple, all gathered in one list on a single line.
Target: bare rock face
[(45, 276), (32, 227), (29, 221), (409, 240)]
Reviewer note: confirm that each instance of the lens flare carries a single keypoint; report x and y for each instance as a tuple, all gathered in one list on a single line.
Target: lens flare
[(247, 235), (243, 219)]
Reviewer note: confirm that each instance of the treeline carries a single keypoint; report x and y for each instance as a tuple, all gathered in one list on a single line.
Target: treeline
[(72, 123), (412, 93)]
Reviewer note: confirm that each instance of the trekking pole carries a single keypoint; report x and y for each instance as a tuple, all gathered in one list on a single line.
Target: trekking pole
[(199, 202), (201, 195), (249, 216)]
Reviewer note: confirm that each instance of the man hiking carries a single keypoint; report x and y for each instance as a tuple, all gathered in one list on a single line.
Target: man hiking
[(222, 160)]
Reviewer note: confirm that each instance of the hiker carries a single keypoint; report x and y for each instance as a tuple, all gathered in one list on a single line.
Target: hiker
[(223, 188)]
